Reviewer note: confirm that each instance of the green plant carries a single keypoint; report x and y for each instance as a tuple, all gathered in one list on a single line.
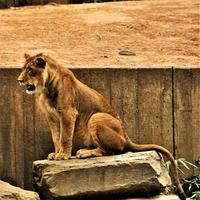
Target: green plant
[(196, 195), (181, 163), (191, 185)]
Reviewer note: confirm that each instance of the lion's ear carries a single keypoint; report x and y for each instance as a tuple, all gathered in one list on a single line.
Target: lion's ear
[(26, 56), (40, 63)]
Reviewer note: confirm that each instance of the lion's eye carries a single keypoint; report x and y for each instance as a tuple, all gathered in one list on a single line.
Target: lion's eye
[(30, 71)]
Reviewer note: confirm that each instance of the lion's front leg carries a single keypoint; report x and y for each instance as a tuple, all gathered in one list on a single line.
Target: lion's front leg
[(54, 125), (67, 126)]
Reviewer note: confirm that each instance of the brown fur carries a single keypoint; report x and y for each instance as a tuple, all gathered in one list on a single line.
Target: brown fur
[(80, 118)]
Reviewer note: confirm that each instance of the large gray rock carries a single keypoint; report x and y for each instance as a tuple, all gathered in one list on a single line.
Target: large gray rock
[(9, 192), (141, 172), (159, 197)]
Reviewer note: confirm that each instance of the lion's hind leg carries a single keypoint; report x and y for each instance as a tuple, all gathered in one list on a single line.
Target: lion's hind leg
[(107, 136)]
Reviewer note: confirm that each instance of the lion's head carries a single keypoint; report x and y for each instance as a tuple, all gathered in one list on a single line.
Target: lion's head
[(32, 72)]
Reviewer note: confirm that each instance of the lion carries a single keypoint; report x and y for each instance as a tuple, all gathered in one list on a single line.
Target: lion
[(79, 117)]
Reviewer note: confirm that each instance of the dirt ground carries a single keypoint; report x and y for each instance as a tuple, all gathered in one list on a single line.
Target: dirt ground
[(149, 33)]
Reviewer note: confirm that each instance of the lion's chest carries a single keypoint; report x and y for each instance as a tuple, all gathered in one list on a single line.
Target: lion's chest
[(46, 104)]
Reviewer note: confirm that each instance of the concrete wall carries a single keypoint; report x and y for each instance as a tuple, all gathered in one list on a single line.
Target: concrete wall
[(158, 106)]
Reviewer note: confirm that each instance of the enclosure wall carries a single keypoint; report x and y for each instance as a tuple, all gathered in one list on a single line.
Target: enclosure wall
[(159, 106)]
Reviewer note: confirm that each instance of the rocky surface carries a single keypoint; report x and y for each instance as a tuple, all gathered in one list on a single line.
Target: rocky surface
[(133, 173), (159, 197), (9, 192)]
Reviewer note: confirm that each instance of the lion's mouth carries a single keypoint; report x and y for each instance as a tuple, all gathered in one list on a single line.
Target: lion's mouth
[(30, 88)]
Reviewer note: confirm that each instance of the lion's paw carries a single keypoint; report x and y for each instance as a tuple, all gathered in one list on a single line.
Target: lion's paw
[(62, 156), (83, 153), (51, 156), (87, 153)]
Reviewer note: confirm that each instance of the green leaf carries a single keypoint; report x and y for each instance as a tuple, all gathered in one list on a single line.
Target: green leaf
[(180, 170), (190, 187), (189, 163), (168, 165), (183, 163), (196, 195), (197, 185), (193, 196)]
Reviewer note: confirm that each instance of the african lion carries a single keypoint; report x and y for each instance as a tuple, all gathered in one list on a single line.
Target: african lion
[(79, 117)]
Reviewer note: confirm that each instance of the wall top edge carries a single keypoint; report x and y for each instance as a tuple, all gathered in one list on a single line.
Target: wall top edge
[(117, 67)]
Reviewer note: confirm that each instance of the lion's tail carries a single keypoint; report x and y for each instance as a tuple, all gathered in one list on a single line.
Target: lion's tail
[(137, 147)]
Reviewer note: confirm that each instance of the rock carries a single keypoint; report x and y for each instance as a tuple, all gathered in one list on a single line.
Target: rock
[(158, 197), (142, 173), (9, 192)]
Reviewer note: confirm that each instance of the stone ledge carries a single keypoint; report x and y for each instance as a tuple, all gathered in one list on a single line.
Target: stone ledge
[(158, 197), (141, 173), (9, 192)]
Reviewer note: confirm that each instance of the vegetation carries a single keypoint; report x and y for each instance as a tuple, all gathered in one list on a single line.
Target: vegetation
[(191, 185)]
